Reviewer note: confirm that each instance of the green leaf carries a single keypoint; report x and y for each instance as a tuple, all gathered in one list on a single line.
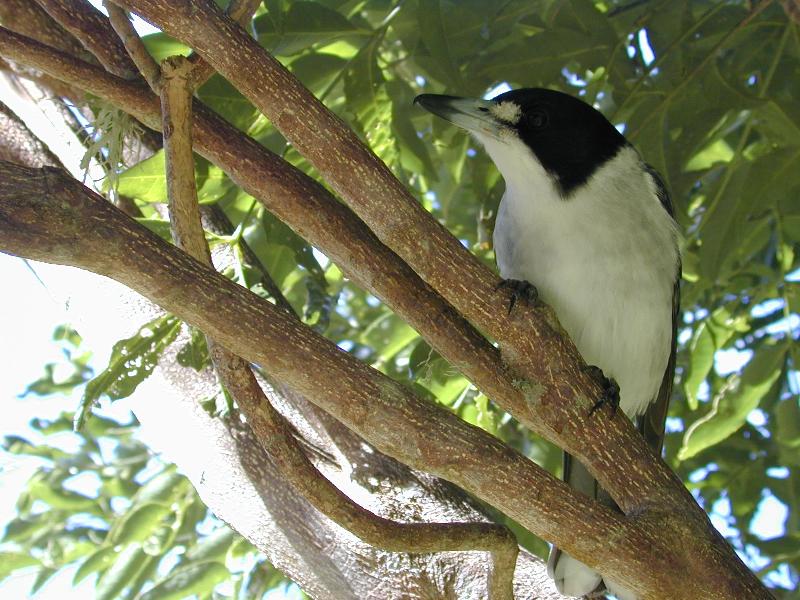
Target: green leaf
[(132, 361), (316, 71), (14, 444), (162, 488), (302, 26), (194, 353), (199, 578), (431, 26), (160, 46), (731, 407), (23, 530), (61, 499), (711, 335), (14, 561), (787, 434), (128, 564), (98, 561), (223, 98), (140, 522), (42, 577), (213, 546), (146, 180)]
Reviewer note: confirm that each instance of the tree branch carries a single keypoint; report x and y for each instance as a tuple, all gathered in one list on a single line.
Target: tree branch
[(48, 216), (19, 145), (559, 393), (241, 11), (324, 559), (93, 30), (146, 64)]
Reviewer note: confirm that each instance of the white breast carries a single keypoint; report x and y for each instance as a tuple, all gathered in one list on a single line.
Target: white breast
[(604, 258)]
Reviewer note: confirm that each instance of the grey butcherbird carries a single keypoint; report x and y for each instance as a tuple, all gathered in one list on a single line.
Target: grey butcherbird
[(588, 223)]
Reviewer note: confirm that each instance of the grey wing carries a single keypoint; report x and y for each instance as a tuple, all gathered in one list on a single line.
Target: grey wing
[(661, 190), (651, 424)]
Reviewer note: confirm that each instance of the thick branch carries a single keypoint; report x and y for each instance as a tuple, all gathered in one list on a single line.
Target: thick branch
[(311, 211), (28, 18), (48, 216), (256, 500), (240, 11), (94, 31)]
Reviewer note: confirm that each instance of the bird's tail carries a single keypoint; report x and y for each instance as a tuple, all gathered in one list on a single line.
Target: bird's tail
[(572, 577)]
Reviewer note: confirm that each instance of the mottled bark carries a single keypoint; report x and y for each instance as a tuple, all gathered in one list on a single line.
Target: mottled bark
[(19, 145)]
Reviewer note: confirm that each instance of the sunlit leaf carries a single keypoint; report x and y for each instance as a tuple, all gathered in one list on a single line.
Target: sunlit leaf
[(131, 362), (731, 407)]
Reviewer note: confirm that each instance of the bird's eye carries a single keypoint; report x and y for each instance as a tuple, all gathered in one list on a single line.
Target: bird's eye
[(538, 119)]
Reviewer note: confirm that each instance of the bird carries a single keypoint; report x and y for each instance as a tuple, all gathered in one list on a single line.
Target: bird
[(586, 226)]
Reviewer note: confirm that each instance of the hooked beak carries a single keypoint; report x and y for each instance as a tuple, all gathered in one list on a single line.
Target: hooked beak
[(471, 114)]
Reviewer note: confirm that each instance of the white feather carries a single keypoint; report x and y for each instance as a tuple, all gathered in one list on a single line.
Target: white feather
[(605, 258)]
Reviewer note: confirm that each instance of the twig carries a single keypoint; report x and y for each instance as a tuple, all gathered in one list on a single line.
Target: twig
[(215, 219), (133, 44)]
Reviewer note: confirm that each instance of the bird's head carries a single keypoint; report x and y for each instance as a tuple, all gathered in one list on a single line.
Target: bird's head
[(566, 137)]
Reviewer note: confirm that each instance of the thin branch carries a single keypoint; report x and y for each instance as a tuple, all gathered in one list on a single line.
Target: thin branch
[(176, 111), (270, 428), (146, 64), (93, 30)]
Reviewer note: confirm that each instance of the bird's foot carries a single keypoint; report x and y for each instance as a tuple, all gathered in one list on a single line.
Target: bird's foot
[(520, 290), (610, 390)]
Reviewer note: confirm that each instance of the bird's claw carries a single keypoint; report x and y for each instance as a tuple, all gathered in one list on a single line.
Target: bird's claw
[(610, 390), (520, 290)]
